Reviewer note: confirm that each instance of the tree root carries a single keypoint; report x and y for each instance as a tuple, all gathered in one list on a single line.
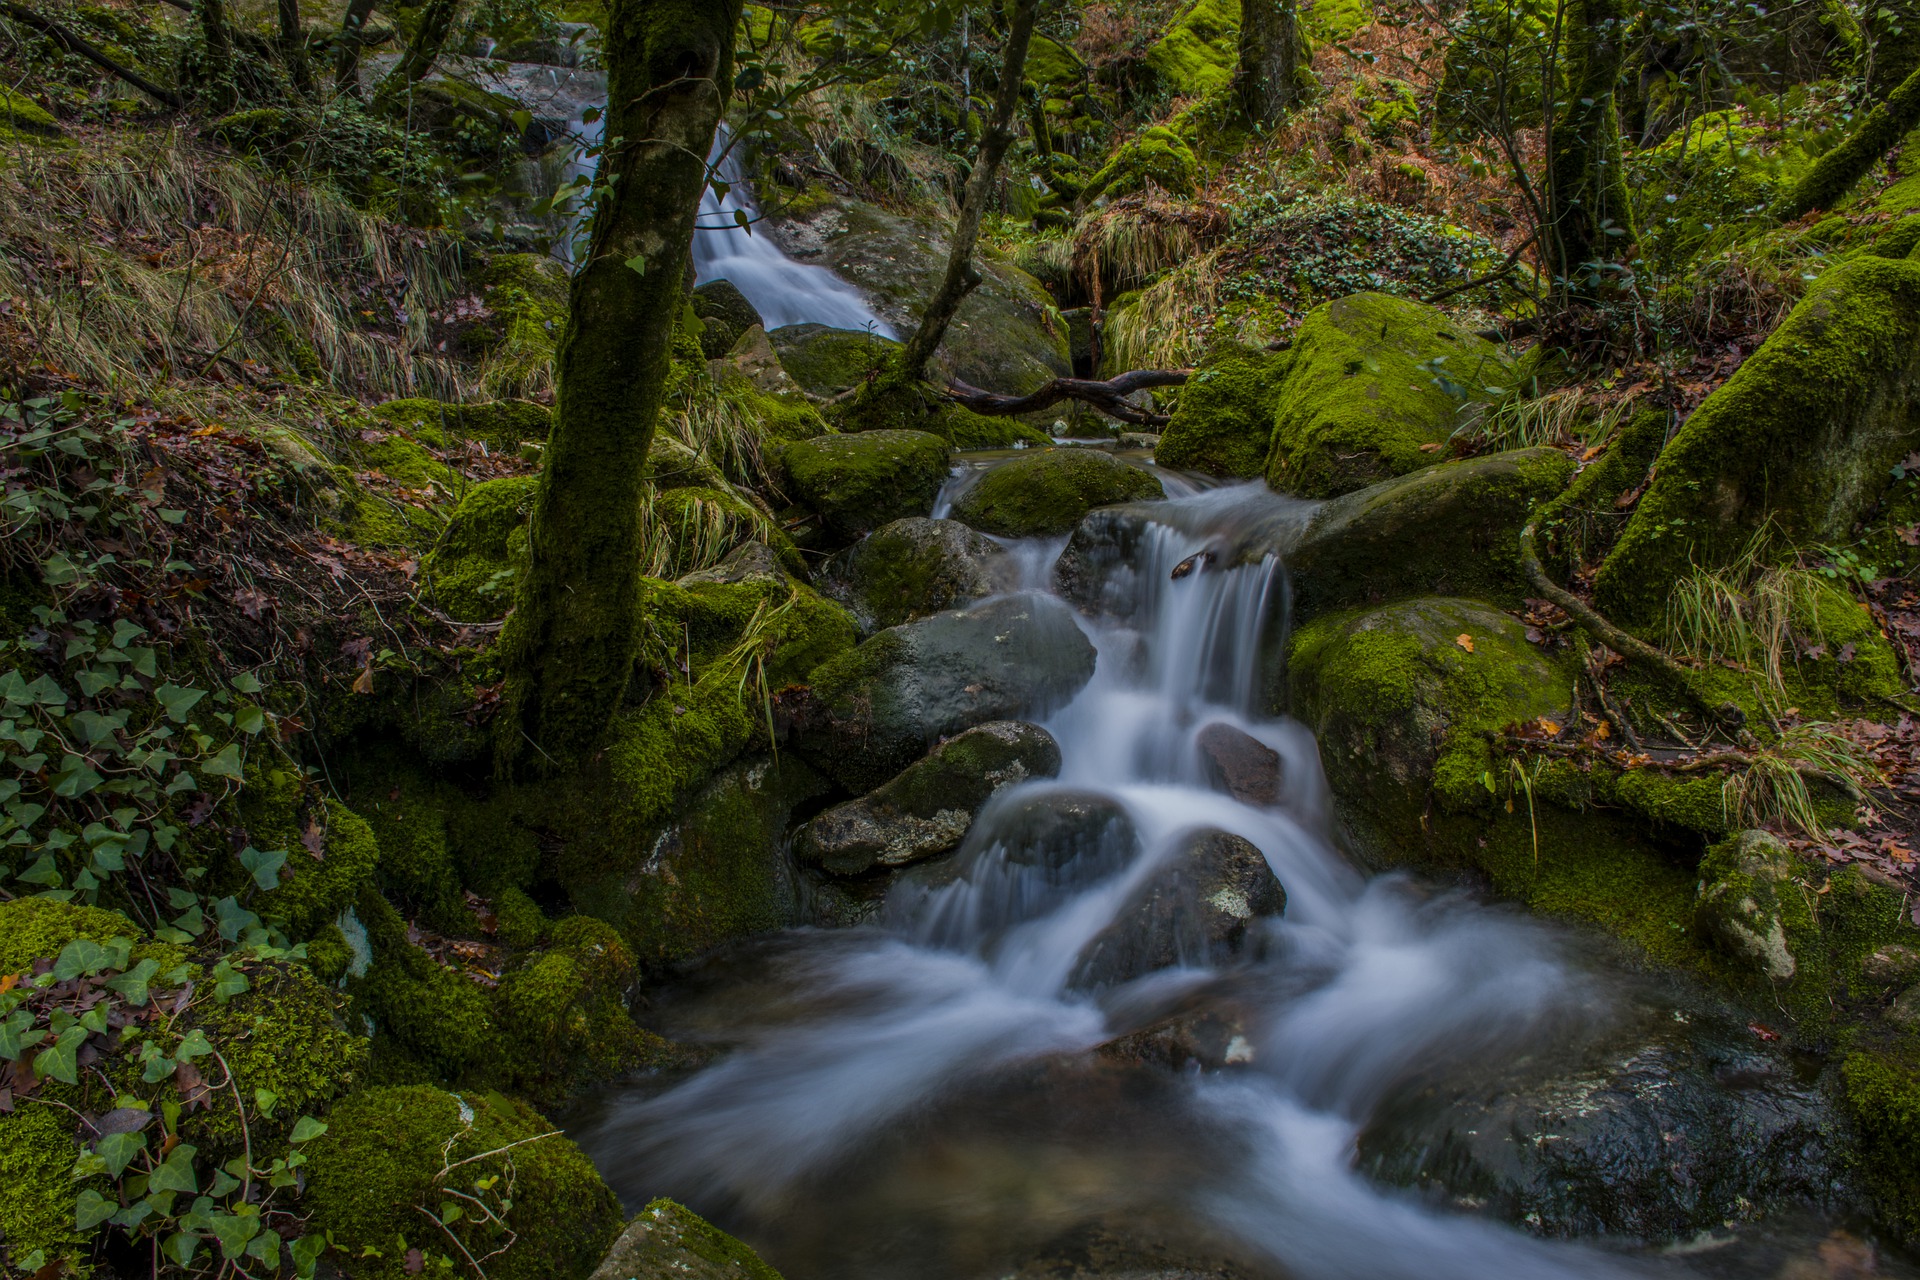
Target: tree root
[(1108, 397)]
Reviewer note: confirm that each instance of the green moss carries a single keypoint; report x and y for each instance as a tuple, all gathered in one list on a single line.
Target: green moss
[(381, 1159), (393, 492), (21, 114), (37, 1190), (1199, 51), (1880, 1084), (1223, 424), (429, 1022), (1047, 493), (563, 1014), (526, 298), (660, 753), (1692, 804), (669, 1240), (317, 889), (1055, 66), (471, 570), (827, 361), (492, 849), (407, 816), (777, 417), (701, 525), (1373, 379), (519, 922), (329, 955), (1803, 436), (502, 425), (856, 483), (37, 928), (1582, 523), (1155, 158)]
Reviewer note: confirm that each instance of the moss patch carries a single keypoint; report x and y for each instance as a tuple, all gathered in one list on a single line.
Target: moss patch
[(1048, 493), (37, 1191), (471, 569), (502, 425), (1223, 424), (857, 483), (1157, 157)]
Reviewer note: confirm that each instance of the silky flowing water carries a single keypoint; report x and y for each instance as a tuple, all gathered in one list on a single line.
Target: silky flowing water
[(921, 1096)]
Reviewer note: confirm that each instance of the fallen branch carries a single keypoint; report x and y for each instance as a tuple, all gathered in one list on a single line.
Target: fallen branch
[(76, 45), (1498, 273), (1108, 397)]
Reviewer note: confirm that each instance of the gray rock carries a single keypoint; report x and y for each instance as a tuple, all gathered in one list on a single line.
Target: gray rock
[(1448, 530), (665, 1239), (1239, 764), (1673, 1121), (1005, 337), (563, 46), (1905, 1010), (754, 358), (912, 568), (748, 562), (1743, 883), (927, 810), (875, 709), (1892, 965), (1194, 910), (726, 314)]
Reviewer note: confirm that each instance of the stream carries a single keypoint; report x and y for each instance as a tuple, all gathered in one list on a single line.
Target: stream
[(932, 1094)]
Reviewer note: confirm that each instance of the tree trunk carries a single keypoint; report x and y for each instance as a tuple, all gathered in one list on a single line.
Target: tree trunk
[(570, 644), (293, 46), (346, 63), (1590, 216), (436, 23), (1894, 29), (1269, 58), (216, 74), (962, 277), (1834, 173)]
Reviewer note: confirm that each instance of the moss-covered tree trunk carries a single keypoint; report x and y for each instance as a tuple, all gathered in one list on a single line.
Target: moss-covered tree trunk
[(1590, 216), (216, 69), (1269, 59), (346, 62), (1835, 173), (962, 277), (423, 51), (293, 46), (570, 644), (1894, 28)]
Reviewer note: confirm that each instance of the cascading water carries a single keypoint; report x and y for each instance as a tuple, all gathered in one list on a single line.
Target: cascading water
[(783, 291), (918, 1097)]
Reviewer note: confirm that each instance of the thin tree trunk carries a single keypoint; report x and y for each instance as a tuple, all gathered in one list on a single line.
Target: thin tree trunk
[(217, 37), (423, 51), (293, 46), (1590, 214), (346, 63), (962, 276), (571, 642), (1835, 173), (1269, 59)]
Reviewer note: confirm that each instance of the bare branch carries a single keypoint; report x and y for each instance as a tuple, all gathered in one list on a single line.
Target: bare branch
[(1108, 397)]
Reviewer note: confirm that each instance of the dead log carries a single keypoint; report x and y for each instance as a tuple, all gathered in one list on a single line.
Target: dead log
[(1108, 397)]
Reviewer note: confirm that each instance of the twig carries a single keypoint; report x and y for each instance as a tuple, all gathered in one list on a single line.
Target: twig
[(1500, 272)]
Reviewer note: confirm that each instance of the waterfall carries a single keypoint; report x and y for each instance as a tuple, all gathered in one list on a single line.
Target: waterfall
[(783, 291), (889, 1075)]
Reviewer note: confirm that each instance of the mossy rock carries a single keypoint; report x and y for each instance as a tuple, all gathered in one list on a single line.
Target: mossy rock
[(1880, 1085), (37, 1189), (1156, 158), (1750, 902), (1452, 529), (381, 1159), (1200, 50), (725, 314), (913, 568), (1373, 378), (471, 571), (429, 1023), (856, 483), (37, 928), (22, 115), (407, 814), (1580, 525), (278, 813), (1223, 423), (526, 310), (665, 1239), (1801, 438), (776, 414), (704, 620), (829, 362), (503, 425), (876, 709), (1048, 493)]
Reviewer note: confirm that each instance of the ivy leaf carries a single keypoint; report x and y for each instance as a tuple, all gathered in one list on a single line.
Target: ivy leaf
[(91, 1209), (233, 1230), (194, 1045), (133, 986), (265, 866), (119, 1149), (637, 264), (178, 701), (18, 1034), (176, 1174), (59, 1059), (306, 1129), (227, 764), (82, 955)]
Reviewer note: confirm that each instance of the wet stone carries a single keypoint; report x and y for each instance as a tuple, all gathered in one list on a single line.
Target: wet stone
[(1240, 764)]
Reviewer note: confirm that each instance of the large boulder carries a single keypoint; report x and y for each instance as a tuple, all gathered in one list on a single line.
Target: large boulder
[(1452, 530), (666, 1239), (1223, 424), (1047, 493), (1667, 1121), (927, 810), (1373, 379), (1802, 437), (912, 568), (1006, 337), (827, 361), (858, 483), (873, 711), (1194, 910)]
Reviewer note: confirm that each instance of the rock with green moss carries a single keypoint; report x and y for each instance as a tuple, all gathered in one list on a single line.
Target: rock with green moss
[(38, 1192), (1006, 336), (382, 1160), (1156, 158), (407, 814), (1223, 424), (395, 492), (1373, 378), (279, 814), (927, 810), (876, 709), (826, 361), (562, 1013), (1452, 530), (1048, 493), (1749, 900), (912, 568), (429, 1023), (726, 315), (502, 425), (1199, 51), (1801, 438), (526, 309), (21, 114), (775, 407), (859, 482), (37, 928), (1880, 1085), (518, 920), (469, 574), (665, 1239)]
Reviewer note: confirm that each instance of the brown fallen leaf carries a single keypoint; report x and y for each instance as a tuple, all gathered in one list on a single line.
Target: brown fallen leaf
[(1465, 641), (363, 683)]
